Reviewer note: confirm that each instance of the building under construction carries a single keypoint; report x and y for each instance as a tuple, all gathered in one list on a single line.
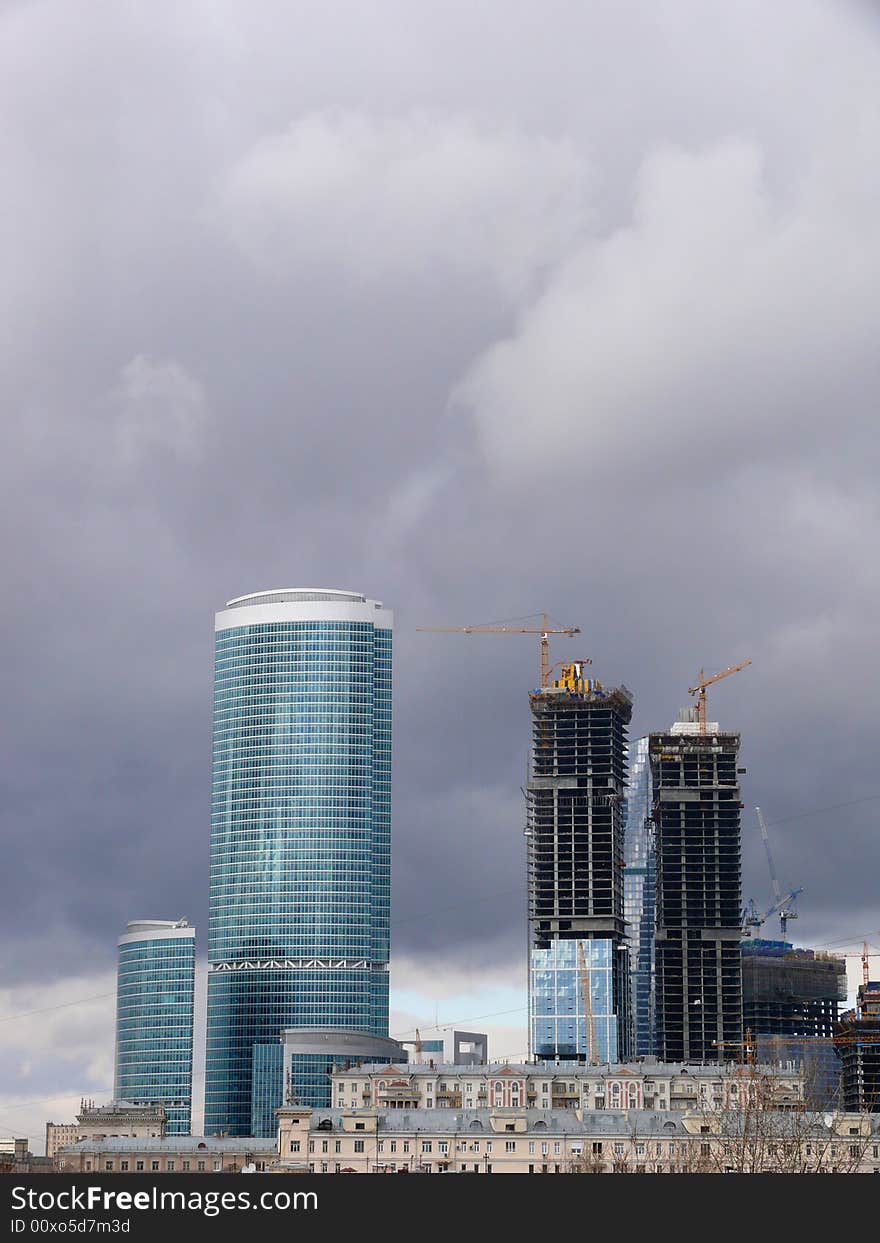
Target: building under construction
[(578, 977), (791, 1003), (858, 1047), (697, 842)]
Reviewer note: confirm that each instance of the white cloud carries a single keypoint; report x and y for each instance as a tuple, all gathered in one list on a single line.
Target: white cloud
[(158, 405), (405, 195), (721, 325), (57, 1046)]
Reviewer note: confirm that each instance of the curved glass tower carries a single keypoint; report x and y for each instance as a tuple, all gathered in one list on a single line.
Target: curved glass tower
[(154, 1018), (300, 830)]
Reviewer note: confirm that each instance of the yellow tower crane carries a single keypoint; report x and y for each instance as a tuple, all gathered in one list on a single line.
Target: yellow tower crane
[(587, 998), (700, 689), (544, 631)]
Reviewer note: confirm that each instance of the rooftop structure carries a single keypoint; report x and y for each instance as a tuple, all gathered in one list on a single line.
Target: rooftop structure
[(555, 1085)]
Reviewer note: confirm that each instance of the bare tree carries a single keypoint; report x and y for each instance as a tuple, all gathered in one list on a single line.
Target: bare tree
[(760, 1137)]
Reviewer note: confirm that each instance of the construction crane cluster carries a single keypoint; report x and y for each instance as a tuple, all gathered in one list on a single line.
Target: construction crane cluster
[(781, 906), (571, 678)]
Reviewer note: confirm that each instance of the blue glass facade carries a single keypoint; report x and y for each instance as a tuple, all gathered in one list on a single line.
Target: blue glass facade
[(559, 1025), (639, 879), (267, 1088), (154, 1019), (300, 830)]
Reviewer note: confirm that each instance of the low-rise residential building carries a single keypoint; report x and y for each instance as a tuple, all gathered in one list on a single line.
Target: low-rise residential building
[(17, 1158), (169, 1154), (116, 1118), (549, 1086), (59, 1135), (508, 1141)]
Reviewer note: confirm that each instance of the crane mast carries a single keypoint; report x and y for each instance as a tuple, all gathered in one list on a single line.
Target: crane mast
[(700, 689), (587, 998)]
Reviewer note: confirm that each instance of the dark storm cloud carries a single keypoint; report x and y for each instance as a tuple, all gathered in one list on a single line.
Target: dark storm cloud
[(479, 312)]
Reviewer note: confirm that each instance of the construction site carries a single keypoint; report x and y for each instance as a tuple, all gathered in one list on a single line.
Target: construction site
[(791, 1003), (579, 951), (640, 945)]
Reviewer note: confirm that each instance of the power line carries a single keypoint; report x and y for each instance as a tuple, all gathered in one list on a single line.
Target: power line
[(59, 1097), (473, 1018), (64, 1005), (817, 811)]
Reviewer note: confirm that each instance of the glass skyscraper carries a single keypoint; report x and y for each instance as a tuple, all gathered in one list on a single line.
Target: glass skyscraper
[(154, 1018), (300, 831), (639, 879)]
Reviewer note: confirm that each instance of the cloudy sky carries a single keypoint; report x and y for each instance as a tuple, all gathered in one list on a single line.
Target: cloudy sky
[(481, 309)]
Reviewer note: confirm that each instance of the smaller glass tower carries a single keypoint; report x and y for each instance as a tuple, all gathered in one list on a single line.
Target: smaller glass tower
[(639, 879), (154, 1018)]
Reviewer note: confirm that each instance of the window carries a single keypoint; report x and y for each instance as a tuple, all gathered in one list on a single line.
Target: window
[(154, 1165), (406, 1145), (139, 1165), (200, 1166), (123, 1165), (426, 1145), (557, 1148), (108, 1165), (185, 1166), (359, 1145), (360, 1126), (217, 1166), (88, 1165), (531, 1146), (618, 1150), (393, 1145), (294, 1145), (510, 1145), (380, 1146), (325, 1147), (169, 1166), (475, 1146)]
